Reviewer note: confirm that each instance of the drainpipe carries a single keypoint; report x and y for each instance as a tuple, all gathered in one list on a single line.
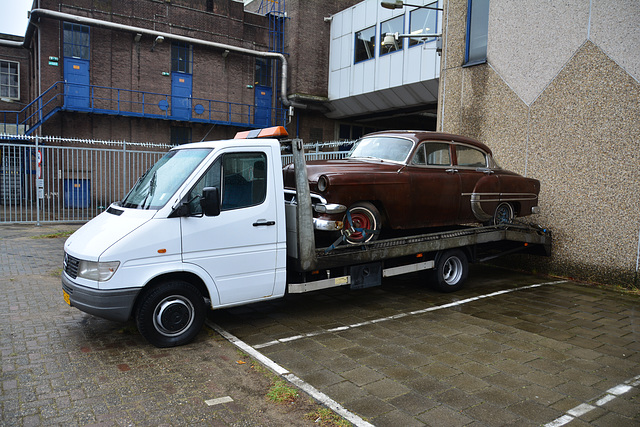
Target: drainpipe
[(36, 14)]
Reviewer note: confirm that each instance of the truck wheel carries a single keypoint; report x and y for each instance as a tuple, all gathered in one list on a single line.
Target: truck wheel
[(171, 314), (365, 223), (504, 214), (451, 270)]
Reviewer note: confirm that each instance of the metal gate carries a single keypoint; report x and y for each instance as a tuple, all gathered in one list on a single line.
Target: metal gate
[(51, 179)]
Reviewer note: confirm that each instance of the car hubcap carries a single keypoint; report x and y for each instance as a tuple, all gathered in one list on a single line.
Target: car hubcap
[(361, 222), (504, 214), (173, 316)]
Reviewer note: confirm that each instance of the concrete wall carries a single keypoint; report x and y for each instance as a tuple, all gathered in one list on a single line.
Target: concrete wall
[(559, 100)]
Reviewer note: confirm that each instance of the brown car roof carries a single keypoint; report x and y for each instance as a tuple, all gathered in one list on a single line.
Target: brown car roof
[(422, 135)]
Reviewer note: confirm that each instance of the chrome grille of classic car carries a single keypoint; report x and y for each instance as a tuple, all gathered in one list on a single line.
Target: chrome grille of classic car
[(71, 265)]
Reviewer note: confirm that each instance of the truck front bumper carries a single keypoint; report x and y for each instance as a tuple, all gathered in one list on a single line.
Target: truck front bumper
[(108, 304)]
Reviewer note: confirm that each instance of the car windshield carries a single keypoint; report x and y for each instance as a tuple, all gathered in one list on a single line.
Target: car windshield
[(381, 148), (160, 182)]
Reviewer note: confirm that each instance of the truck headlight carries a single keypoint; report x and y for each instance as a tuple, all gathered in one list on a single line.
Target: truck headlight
[(98, 271)]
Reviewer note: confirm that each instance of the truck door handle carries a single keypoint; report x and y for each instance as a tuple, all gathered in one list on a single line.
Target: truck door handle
[(262, 223)]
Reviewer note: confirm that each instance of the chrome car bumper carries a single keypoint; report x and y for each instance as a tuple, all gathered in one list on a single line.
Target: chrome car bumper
[(327, 225)]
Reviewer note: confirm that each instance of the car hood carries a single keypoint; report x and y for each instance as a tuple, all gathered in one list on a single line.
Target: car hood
[(329, 168)]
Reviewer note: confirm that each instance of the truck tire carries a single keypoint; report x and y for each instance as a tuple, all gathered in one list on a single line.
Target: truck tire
[(171, 314), (452, 268)]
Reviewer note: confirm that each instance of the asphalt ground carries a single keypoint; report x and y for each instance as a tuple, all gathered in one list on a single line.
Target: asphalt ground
[(508, 349)]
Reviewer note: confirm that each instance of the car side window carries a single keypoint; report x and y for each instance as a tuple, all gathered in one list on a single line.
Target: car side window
[(243, 177), (432, 154), (471, 157)]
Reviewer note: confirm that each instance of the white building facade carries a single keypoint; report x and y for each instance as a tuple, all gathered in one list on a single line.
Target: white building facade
[(368, 76)]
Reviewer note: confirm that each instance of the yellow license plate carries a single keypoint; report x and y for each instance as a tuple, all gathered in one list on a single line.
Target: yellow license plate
[(65, 295)]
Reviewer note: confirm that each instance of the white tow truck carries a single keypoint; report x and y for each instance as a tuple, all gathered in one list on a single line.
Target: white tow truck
[(210, 226)]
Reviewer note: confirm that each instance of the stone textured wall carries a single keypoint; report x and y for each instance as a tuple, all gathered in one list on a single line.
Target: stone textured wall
[(559, 100)]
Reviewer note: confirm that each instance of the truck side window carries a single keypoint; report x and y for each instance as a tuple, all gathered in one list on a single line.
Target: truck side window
[(243, 183), (210, 179), (244, 180)]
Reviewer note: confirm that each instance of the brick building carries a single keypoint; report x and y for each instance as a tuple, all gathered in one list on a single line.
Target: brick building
[(184, 70)]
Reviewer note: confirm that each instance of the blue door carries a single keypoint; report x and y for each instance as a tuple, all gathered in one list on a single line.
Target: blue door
[(181, 89), (263, 106), (76, 76)]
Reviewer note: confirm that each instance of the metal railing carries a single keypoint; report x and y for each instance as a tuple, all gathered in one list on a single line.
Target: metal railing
[(134, 103), (52, 179)]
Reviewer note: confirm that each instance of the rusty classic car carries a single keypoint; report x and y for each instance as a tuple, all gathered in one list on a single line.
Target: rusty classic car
[(413, 179)]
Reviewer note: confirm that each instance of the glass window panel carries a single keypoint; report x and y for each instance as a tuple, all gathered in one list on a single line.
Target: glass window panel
[(365, 44), (423, 21), (10, 79), (395, 25), (181, 57), (471, 157), (438, 154), (477, 31)]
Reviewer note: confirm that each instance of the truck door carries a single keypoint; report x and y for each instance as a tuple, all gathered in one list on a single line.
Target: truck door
[(237, 248)]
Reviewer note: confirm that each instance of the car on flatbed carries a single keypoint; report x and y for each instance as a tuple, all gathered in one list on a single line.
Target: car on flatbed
[(414, 179)]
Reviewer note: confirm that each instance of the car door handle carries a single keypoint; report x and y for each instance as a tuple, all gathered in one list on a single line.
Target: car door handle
[(262, 223), (452, 170)]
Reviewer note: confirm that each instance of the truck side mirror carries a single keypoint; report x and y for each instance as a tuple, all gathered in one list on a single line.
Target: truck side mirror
[(210, 201)]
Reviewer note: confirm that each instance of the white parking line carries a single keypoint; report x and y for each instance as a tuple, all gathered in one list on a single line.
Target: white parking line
[(401, 315), (584, 408), (308, 388)]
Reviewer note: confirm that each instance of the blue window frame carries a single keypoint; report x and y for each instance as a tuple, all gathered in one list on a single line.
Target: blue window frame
[(76, 41), (365, 44), (393, 25), (423, 21), (477, 32), (181, 58)]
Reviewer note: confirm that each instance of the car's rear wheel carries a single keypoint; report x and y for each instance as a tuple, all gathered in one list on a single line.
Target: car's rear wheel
[(452, 268), (362, 223), (504, 214)]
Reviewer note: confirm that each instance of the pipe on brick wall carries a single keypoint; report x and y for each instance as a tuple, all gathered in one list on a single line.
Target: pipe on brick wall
[(61, 16)]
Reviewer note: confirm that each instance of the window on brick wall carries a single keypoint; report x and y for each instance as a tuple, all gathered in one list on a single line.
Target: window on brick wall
[(9, 80), (263, 72), (181, 57), (76, 41)]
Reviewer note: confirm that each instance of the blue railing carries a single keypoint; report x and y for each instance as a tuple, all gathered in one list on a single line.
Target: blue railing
[(133, 103)]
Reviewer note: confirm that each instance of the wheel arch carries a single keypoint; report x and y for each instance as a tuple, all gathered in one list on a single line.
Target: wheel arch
[(184, 276)]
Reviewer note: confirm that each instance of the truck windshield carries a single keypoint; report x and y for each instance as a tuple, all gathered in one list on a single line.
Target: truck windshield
[(157, 185)]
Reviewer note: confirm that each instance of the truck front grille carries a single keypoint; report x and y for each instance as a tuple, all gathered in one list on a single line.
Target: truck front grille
[(71, 265)]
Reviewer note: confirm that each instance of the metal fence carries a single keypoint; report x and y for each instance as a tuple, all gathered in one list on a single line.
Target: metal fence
[(50, 179)]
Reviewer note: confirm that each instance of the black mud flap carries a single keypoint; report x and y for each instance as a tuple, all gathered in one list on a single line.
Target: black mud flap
[(366, 275)]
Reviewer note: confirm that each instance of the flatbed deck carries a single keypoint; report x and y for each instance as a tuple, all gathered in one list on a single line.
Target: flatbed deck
[(530, 237)]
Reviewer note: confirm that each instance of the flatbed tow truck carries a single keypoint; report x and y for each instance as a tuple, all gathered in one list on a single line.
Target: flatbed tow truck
[(209, 226)]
